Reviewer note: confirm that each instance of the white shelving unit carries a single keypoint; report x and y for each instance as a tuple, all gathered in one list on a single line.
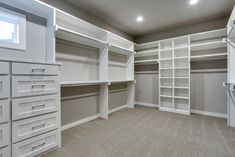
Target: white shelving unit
[(174, 57), (146, 53), (174, 75), (121, 64), (91, 56)]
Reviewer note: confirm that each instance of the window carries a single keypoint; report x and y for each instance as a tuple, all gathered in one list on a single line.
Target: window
[(12, 30)]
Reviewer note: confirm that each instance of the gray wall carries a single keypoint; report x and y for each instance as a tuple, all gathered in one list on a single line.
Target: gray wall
[(60, 4), (185, 30), (36, 36), (207, 92)]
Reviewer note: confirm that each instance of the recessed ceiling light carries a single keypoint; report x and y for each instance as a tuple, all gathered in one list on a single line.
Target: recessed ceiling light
[(192, 2), (139, 19)]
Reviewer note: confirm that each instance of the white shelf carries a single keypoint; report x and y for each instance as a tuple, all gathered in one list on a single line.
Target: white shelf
[(166, 96), (75, 37), (120, 81), (165, 59), (149, 61), (181, 77), (82, 83), (181, 68), (208, 35), (181, 97), (181, 87), (185, 112), (120, 50), (146, 53), (207, 46), (168, 87), (209, 57)]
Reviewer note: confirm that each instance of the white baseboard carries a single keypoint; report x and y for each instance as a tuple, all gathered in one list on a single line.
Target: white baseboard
[(117, 109), (212, 114), (146, 104), (85, 120), (79, 122)]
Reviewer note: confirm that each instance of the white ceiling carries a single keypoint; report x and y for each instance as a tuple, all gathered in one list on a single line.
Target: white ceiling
[(158, 15)]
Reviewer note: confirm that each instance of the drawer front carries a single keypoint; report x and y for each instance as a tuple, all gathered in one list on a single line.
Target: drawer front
[(34, 69), (4, 134), (34, 106), (4, 87), (5, 152), (35, 146), (4, 110), (27, 128), (34, 85), (4, 68)]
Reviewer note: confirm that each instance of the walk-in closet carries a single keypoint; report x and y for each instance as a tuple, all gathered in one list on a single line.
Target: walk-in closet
[(87, 78)]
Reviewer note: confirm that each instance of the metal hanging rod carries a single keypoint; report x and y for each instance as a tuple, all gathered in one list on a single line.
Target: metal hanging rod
[(231, 89)]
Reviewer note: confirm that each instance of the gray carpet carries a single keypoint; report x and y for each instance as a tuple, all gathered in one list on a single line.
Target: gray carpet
[(147, 132)]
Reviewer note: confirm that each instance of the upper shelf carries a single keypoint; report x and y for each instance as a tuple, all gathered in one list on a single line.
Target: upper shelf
[(76, 37), (120, 81), (120, 50), (82, 83), (209, 57), (149, 61), (220, 33), (208, 45), (147, 53)]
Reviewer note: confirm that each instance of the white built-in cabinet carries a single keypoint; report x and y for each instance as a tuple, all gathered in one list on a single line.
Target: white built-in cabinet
[(91, 56), (30, 86), (174, 58)]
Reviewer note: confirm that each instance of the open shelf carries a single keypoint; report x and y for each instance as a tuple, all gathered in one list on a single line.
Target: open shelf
[(220, 33), (120, 81), (209, 57), (81, 83), (146, 53), (208, 45), (149, 61), (76, 37), (120, 50)]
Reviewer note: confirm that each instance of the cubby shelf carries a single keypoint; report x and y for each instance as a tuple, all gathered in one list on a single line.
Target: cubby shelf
[(209, 57), (120, 50), (82, 83), (166, 96), (76, 37), (181, 97)]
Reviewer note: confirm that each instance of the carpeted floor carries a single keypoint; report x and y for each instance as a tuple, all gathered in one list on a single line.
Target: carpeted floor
[(148, 132)]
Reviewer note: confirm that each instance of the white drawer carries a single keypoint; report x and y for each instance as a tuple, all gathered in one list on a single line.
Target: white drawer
[(35, 146), (4, 87), (4, 110), (33, 106), (4, 134), (34, 85), (4, 68), (5, 152), (27, 128), (34, 69)]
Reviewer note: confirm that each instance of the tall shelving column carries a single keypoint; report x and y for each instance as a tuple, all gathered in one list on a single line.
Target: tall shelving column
[(181, 55), (166, 75), (83, 50), (121, 65)]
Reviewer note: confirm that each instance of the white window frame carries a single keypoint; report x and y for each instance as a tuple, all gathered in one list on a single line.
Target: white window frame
[(21, 36)]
